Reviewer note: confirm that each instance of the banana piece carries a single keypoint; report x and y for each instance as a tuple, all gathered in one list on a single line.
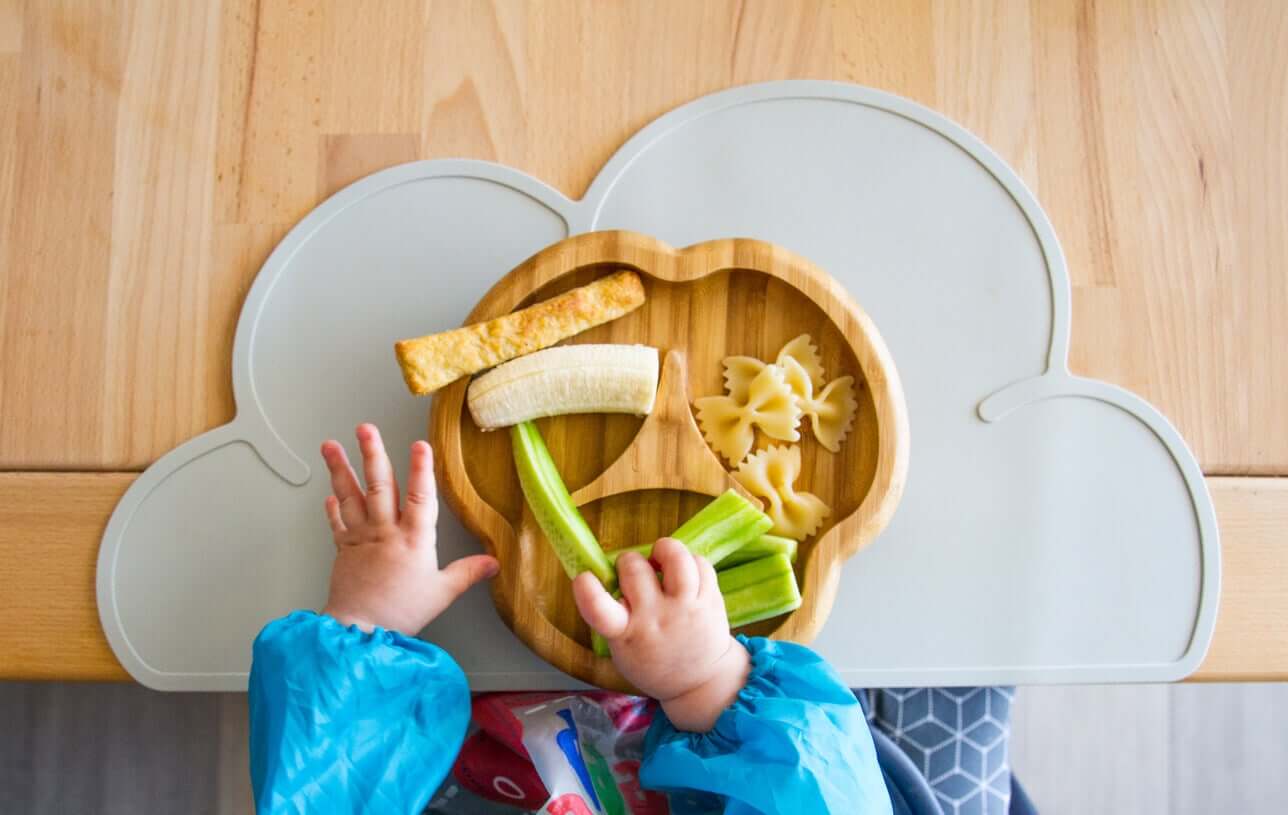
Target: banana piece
[(566, 379)]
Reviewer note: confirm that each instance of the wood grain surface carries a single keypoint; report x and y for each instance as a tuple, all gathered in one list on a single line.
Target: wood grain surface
[(689, 465), (49, 531), (152, 153), (702, 303)]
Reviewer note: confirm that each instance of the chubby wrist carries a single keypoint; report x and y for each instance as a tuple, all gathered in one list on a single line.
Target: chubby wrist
[(697, 709), (346, 619)]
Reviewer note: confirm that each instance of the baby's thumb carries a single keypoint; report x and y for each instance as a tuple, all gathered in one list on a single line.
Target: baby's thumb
[(459, 575), (598, 608)]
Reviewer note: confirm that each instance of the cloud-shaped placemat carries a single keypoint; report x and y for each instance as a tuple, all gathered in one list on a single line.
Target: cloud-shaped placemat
[(1053, 528)]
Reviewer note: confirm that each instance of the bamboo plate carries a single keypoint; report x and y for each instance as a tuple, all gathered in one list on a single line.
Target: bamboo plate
[(638, 479)]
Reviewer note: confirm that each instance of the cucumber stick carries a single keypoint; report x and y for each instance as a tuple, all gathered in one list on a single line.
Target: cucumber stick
[(750, 574), (722, 527), (644, 549), (552, 506), (719, 529), (764, 546), (599, 645), (759, 590)]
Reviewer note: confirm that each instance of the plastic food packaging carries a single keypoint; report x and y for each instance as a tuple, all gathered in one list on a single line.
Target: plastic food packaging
[(553, 754)]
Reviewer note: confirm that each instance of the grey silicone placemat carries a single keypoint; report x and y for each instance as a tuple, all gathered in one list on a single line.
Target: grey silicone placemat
[(1054, 528)]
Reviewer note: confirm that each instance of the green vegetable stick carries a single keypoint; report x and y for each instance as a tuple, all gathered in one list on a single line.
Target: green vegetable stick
[(599, 645), (764, 546), (749, 574), (759, 590), (722, 527), (762, 601), (718, 530), (644, 549), (552, 506)]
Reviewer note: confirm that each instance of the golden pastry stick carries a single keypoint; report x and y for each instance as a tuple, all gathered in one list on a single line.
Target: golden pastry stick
[(428, 363)]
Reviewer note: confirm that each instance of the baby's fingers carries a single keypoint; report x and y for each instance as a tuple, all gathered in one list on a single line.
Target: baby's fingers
[(332, 507), (460, 575), (344, 483), (638, 582), (598, 608), (708, 582), (679, 568), (382, 491), (421, 510)]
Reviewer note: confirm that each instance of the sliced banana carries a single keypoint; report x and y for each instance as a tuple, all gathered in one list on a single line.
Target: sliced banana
[(566, 379)]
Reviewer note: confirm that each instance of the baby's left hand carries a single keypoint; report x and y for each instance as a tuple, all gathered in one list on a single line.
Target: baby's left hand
[(386, 566)]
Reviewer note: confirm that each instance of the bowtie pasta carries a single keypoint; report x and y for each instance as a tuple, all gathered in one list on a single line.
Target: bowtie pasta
[(767, 402), (771, 475), (831, 412), (727, 421)]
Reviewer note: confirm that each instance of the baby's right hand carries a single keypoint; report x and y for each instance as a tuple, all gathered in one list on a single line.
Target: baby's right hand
[(671, 639)]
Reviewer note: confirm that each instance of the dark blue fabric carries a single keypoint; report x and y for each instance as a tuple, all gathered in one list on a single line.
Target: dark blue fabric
[(910, 793), (344, 721), (1021, 804), (794, 741)]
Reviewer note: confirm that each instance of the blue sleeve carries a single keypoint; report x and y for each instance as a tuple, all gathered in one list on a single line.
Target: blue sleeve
[(343, 721), (795, 740)]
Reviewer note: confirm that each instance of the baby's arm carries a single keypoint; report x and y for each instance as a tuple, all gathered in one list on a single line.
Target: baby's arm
[(766, 725), (338, 699)]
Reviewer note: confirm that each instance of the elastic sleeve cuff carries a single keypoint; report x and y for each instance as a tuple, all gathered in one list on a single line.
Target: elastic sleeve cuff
[(794, 740), (340, 716)]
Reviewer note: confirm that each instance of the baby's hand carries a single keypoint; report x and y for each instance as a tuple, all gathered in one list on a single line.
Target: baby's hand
[(671, 639), (386, 565)]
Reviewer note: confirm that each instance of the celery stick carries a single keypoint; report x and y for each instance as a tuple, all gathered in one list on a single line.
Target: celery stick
[(599, 645), (719, 529), (764, 546), (762, 601), (552, 506), (749, 574), (723, 527), (644, 549), (759, 590)]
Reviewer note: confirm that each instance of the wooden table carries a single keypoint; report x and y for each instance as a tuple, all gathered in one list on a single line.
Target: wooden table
[(152, 152)]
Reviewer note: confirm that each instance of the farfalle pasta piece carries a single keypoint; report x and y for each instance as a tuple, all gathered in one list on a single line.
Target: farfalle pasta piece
[(740, 370), (802, 350), (738, 375), (831, 412), (771, 475), (728, 423)]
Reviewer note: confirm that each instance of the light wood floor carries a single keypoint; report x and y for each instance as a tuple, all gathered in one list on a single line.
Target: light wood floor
[(1188, 749), (1143, 749)]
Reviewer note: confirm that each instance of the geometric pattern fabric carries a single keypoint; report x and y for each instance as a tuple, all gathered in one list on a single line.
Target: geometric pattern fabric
[(957, 737)]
